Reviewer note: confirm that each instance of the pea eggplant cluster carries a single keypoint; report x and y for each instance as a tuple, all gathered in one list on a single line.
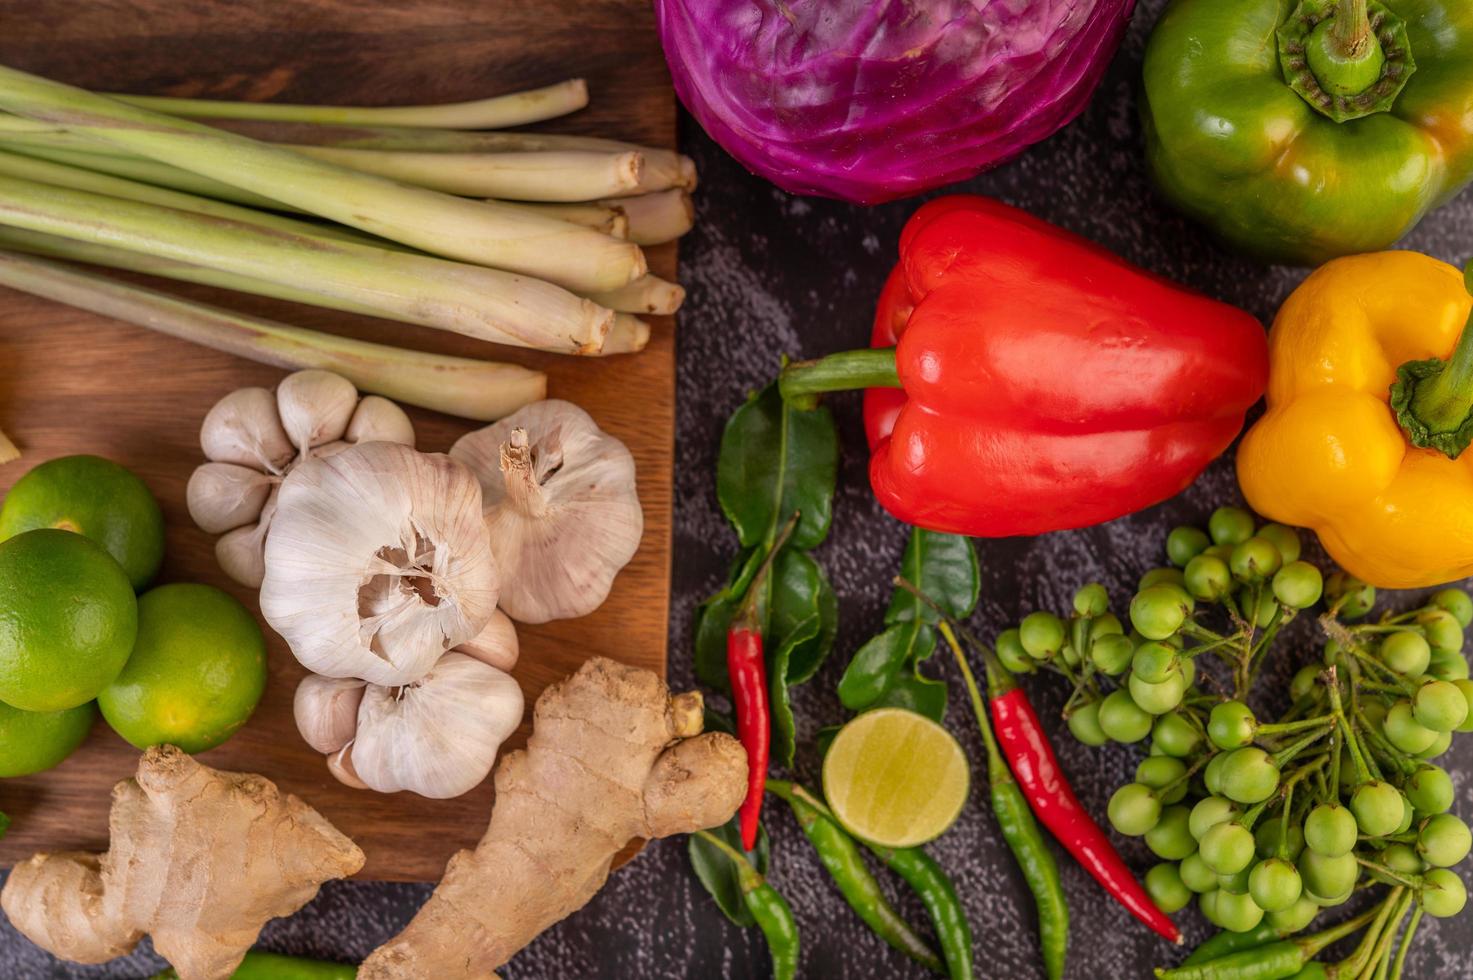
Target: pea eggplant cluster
[(1269, 823)]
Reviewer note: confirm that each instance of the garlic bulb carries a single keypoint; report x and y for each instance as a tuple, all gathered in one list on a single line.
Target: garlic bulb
[(254, 437), (378, 563), (561, 506), (437, 737)]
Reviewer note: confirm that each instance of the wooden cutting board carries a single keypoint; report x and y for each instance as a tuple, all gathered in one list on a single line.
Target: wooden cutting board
[(71, 382)]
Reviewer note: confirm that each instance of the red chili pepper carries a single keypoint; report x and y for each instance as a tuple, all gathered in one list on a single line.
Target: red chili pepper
[(746, 666), (1024, 380), (1031, 757)]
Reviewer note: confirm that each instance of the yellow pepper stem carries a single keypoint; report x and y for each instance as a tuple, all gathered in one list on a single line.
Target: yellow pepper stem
[(1433, 400)]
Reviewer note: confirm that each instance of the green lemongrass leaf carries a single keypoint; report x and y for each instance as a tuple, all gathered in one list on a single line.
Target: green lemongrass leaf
[(775, 461), (880, 662), (718, 874), (944, 567)]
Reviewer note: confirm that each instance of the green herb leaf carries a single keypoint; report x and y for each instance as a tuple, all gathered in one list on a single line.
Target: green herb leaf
[(877, 664), (4, 823), (944, 567), (799, 590), (784, 728), (719, 875), (776, 460), (916, 692)]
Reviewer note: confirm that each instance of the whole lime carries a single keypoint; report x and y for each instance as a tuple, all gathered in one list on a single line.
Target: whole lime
[(68, 618), (196, 673), (33, 741), (96, 498)]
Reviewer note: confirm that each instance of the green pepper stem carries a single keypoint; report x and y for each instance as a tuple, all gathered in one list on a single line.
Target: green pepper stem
[(749, 877), (802, 381), (1351, 28)]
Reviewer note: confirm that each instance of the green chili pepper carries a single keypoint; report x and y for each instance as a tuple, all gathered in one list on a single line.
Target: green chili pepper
[(1226, 942), (1274, 961), (1312, 971), (259, 965), (1020, 831), (931, 885), (844, 861), (770, 910)]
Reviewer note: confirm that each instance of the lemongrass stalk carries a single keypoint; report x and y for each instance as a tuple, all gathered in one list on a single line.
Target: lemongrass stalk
[(659, 217), (78, 178), (647, 294), (538, 175), (496, 112), (649, 219), (472, 231), (71, 250), (8, 452), (629, 335), (148, 172), (485, 303), (676, 169), (610, 221), (473, 389)]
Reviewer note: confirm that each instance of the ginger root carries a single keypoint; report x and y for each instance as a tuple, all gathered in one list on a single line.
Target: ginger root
[(200, 859), (612, 757)]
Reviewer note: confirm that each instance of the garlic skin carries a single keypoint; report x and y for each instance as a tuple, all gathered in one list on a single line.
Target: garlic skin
[(378, 563), (326, 711), (437, 737), (254, 437), (561, 506), (496, 645)]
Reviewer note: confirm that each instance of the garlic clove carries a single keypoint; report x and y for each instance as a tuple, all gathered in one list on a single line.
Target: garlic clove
[(378, 562), (244, 428), (380, 420), (326, 711), (242, 552), (315, 407), (437, 737), (561, 505), (340, 764), (497, 644), (329, 449), (225, 496)]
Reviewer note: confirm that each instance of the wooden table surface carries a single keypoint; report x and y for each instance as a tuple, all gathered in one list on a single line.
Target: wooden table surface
[(72, 382)]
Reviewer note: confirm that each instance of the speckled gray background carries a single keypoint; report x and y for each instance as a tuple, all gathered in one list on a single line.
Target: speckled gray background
[(767, 274)]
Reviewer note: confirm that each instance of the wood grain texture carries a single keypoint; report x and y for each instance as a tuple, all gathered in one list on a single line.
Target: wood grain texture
[(71, 382)]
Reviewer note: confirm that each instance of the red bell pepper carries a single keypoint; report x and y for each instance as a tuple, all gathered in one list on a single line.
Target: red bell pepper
[(1025, 380)]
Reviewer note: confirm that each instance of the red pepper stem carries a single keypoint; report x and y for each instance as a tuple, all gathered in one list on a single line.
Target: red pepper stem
[(803, 381)]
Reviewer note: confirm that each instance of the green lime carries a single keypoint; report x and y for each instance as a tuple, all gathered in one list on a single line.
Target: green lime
[(196, 674), (33, 741), (67, 620), (98, 499), (895, 778)]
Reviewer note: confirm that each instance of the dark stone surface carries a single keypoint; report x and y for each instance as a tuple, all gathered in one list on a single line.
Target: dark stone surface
[(769, 273)]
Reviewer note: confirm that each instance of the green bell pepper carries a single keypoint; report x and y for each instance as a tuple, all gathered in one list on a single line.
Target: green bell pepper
[(1302, 131)]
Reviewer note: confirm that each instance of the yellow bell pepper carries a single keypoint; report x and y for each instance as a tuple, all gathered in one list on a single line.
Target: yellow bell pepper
[(1370, 391)]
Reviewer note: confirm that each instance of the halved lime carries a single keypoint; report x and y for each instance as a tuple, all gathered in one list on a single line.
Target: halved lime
[(895, 778)]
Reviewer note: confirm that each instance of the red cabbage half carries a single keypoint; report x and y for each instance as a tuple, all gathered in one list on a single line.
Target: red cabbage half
[(870, 101)]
